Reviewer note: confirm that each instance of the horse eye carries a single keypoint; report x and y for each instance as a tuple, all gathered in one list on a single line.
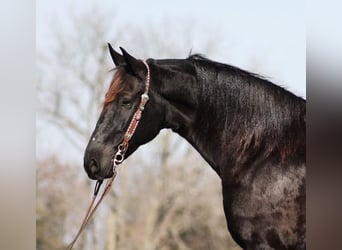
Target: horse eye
[(126, 103)]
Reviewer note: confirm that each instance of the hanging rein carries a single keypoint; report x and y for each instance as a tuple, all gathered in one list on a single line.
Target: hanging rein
[(117, 159)]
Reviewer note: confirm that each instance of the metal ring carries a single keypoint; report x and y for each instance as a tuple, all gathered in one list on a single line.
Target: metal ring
[(119, 158), (123, 147)]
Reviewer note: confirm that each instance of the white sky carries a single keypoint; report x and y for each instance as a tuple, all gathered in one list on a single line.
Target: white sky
[(265, 37)]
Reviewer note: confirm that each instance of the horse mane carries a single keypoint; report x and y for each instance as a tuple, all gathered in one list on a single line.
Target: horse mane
[(257, 114), (116, 86), (201, 57)]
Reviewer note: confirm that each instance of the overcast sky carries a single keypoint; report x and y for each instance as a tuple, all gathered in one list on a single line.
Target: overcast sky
[(269, 33)]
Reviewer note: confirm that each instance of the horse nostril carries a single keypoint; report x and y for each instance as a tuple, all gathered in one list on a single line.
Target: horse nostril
[(94, 167)]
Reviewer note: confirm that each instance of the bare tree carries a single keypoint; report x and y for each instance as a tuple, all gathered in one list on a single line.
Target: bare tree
[(55, 200), (72, 78)]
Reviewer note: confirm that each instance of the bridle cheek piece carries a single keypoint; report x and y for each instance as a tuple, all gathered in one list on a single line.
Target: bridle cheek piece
[(122, 148)]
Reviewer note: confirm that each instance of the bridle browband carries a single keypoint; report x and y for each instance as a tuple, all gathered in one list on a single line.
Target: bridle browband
[(118, 157)]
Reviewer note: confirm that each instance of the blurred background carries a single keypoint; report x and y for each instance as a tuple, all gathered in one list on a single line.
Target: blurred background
[(166, 196)]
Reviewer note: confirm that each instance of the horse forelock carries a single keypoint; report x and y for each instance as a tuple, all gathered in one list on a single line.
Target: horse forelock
[(116, 86)]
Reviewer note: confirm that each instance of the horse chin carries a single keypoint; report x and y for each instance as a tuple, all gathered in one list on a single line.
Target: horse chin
[(109, 175), (109, 171)]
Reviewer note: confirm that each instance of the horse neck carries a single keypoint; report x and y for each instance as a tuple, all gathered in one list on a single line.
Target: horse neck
[(228, 115)]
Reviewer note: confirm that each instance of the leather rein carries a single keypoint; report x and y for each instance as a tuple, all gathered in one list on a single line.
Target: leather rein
[(117, 159)]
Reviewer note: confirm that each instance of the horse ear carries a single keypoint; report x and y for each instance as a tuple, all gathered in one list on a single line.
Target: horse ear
[(134, 66), (117, 58)]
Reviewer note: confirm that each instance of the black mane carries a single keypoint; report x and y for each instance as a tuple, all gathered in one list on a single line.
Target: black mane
[(234, 69), (257, 113)]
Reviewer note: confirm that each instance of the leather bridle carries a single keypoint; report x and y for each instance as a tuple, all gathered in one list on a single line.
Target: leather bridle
[(118, 157), (122, 148)]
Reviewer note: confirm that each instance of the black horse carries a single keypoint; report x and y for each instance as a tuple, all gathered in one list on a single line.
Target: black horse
[(250, 131)]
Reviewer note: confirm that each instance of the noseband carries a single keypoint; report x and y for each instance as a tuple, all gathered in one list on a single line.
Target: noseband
[(118, 157)]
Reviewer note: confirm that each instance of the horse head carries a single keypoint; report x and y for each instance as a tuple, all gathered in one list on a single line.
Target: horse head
[(122, 100)]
